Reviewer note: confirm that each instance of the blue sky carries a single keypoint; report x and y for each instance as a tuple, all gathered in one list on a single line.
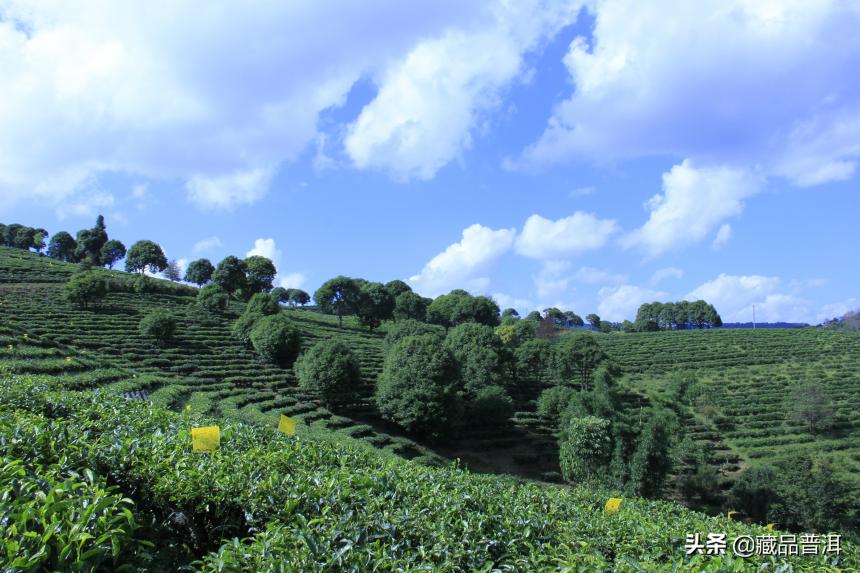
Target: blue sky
[(586, 155)]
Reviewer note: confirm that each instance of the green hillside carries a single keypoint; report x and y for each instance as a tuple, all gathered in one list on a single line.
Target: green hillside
[(745, 388), (340, 496)]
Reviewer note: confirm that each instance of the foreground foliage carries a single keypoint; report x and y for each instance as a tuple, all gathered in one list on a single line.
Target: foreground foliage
[(265, 502)]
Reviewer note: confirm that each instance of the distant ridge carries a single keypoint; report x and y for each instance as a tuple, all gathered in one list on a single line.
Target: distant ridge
[(765, 325)]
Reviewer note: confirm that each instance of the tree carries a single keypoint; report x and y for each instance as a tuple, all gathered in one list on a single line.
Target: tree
[(577, 357), (159, 325), (397, 287), (276, 339), (533, 360), (261, 304), (810, 495), (593, 320), (62, 247), (330, 370), (85, 287), (230, 275), (553, 401), (24, 238), (91, 241), (812, 407), (554, 314), (417, 388), (199, 272), (491, 407), (260, 272), (339, 296), (628, 326), (297, 296), (145, 255), (479, 353), (534, 316), (374, 305), (10, 233), (173, 273), (651, 461), (510, 312), (409, 305), (754, 491), (410, 327), (111, 252), (585, 448), (39, 239), (459, 306), (213, 299), (573, 319)]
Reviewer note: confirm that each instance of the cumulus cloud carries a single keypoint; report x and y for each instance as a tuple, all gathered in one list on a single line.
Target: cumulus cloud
[(158, 91), (722, 237), (293, 280), (543, 238), (593, 276), (708, 80), (621, 302), (522, 305), (431, 101), (206, 245), (459, 263), (774, 300), (693, 202), (265, 248), (552, 280), (665, 273), (242, 187)]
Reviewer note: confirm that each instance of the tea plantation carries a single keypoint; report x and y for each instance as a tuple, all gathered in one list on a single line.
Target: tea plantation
[(746, 383), (92, 478), (204, 367), (122, 490)]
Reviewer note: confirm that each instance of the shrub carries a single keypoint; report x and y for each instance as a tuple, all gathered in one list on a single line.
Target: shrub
[(85, 287), (276, 339), (491, 407), (160, 325), (212, 298), (417, 388), (409, 327), (329, 369), (553, 401), (260, 305), (585, 449), (479, 353)]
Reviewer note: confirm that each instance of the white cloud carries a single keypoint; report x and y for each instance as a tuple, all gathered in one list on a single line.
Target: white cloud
[(735, 82), (552, 280), (582, 191), (734, 297), (206, 245), (593, 276), (226, 191), (545, 239), (665, 273), (522, 305), (160, 91), (694, 201), (722, 237), (293, 280), (266, 248), (431, 102), (621, 302), (459, 262), (85, 205)]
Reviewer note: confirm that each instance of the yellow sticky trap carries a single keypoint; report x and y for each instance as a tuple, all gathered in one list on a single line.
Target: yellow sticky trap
[(770, 526), (613, 504), (731, 514), (68, 358), (188, 408), (205, 439), (287, 426)]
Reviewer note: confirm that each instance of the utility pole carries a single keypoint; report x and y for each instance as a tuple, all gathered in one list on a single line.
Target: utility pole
[(753, 317)]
